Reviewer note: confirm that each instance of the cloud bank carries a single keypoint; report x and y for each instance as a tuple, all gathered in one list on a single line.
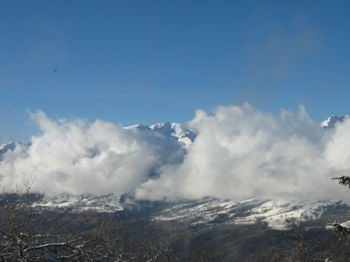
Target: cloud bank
[(80, 157), (239, 152)]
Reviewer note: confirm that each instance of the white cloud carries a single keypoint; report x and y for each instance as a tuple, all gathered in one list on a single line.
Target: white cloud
[(79, 157), (239, 152)]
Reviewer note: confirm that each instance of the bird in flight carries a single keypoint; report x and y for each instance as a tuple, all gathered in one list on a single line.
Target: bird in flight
[(55, 70)]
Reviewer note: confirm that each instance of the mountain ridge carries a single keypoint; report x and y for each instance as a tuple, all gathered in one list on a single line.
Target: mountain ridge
[(193, 212), (181, 132)]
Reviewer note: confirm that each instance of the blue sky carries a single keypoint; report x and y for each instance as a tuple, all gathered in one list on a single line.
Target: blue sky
[(151, 61)]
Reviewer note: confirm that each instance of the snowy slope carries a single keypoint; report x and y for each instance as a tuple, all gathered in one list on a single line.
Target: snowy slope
[(243, 212), (79, 203), (196, 212)]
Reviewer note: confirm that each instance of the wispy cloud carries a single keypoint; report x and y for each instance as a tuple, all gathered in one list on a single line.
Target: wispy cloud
[(277, 51)]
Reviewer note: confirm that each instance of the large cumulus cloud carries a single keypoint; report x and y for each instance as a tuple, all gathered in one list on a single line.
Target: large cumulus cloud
[(239, 152), (79, 157)]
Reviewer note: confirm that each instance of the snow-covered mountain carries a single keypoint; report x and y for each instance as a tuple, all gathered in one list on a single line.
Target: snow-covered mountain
[(78, 203), (177, 131), (180, 132), (7, 147), (193, 212), (332, 120)]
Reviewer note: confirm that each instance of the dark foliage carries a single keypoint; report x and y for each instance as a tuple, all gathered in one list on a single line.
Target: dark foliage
[(343, 180)]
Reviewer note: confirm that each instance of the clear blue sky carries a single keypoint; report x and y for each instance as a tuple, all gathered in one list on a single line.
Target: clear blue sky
[(150, 61)]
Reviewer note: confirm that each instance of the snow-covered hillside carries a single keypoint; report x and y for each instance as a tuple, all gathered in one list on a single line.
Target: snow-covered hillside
[(197, 212), (243, 212), (79, 203)]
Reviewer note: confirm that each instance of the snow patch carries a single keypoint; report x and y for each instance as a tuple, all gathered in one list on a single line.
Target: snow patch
[(243, 212), (79, 203)]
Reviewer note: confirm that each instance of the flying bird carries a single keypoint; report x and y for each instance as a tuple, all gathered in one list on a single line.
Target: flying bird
[(55, 70)]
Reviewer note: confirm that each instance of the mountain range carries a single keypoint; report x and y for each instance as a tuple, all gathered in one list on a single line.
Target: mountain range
[(193, 212)]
